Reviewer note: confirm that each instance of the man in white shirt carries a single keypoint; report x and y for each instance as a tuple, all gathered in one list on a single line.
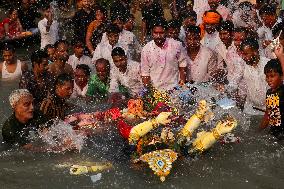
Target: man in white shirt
[(253, 87), (78, 57), (105, 47), (127, 74), (163, 60), (189, 20), (48, 28), (81, 77), (201, 61)]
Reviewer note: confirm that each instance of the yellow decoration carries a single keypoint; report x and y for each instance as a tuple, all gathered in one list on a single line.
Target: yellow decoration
[(84, 169), (160, 161)]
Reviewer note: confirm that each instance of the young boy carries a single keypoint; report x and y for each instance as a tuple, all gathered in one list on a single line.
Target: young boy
[(11, 67), (78, 57), (48, 28), (82, 74), (173, 29), (127, 74), (274, 114)]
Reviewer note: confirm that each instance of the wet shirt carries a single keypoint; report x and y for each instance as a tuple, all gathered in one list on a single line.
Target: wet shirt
[(53, 107), (15, 132), (275, 108), (38, 90)]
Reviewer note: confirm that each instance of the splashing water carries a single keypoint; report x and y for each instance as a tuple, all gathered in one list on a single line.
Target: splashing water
[(61, 137)]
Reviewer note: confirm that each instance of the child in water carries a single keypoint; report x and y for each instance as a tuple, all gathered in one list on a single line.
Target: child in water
[(274, 115)]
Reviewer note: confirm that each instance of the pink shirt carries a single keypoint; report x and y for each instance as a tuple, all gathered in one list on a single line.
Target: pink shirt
[(162, 64)]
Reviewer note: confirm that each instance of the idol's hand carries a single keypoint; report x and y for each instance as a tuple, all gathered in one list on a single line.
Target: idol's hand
[(163, 118)]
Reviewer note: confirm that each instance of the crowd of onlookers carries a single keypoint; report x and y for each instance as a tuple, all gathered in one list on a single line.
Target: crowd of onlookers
[(235, 45)]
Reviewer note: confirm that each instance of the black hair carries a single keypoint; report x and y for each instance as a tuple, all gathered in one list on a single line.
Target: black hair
[(118, 51), (104, 61), (45, 7), (240, 30), (226, 25), (86, 69), (245, 5), (277, 29), (101, 8), (120, 17), (174, 24), (251, 42), (48, 46), (112, 28), (8, 47), (160, 21), (77, 42), (62, 78), (11, 10), (193, 29), (273, 65), (130, 16), (267, 9), (37, 56), (58, 42), (190, 14)]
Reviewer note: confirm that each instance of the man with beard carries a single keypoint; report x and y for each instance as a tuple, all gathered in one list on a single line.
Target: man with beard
[(252, 88), (60, 66), (37, 81), (163, 60)]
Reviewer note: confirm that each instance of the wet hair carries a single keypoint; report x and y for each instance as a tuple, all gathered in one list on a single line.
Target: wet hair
[(62, 78), (251, 42), (77, 43), (45, 7), (8, 47), (120, 17), (118, 51), (60, 41), (190, 14), (174, 24), (161, 21), (11, 10), (193, 29), (103, 61), (112, 28), (226, 25), (267, 9), (48, 46), (273, 65), (37, 56), (86, 69), (277, 29)]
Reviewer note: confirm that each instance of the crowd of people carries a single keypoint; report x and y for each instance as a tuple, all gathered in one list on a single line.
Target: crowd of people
[(235, 45)]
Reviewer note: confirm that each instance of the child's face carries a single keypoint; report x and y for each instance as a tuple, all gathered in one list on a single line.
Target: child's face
[(120, 62), (79, 51), (102, 71), (8, 56), (173, 33), (273, 79), (112, 38), (80, 77), (64, 91), (269, 20)]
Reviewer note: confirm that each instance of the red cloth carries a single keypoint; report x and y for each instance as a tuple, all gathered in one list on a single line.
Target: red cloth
[(161, 107), (14, 27), (124, 128)]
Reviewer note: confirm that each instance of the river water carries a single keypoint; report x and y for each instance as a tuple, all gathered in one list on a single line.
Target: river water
[(255, 162)]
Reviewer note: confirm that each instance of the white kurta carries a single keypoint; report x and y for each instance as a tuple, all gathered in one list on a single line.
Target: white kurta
[(48, 37), (131, 79), (78, 92), (162, 64), (253, 86), (202, 66)]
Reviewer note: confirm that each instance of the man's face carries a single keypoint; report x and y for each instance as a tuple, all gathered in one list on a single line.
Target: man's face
[(8, 56), (159, 35), (100, 15), (120, 62), (192, 40), (86, 3), (102, 71), (61, 52), (24, 108), (273, 79), (189, 21), (14, 15), (64, 91), (112, 38), (249, 55), (173, 33), (210, 28), (42, 67), (214, 4), (129, 25), (225, 36), (238, 38), (119, 24)]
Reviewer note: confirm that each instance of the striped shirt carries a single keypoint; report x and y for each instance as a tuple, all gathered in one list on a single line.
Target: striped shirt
[(53, 107)]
